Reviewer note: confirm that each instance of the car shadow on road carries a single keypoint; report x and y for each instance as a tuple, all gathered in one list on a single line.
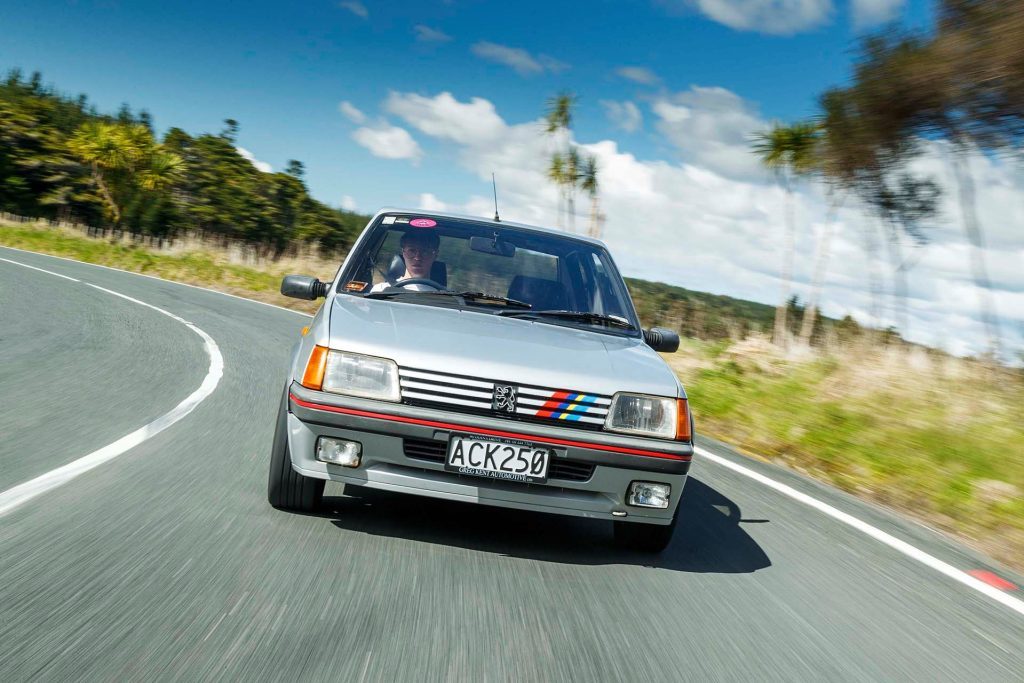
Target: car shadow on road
[(709, 537)]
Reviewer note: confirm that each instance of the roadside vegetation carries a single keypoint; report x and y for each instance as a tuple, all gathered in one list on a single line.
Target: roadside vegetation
[(937, 437), (61, 160)]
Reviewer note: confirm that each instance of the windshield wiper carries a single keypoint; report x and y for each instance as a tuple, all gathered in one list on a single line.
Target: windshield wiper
[(582, 316), (473, 297)]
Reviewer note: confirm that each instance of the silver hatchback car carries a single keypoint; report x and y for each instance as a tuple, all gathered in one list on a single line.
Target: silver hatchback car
[(485, 362)]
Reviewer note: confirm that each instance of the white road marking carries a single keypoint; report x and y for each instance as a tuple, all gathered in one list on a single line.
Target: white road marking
[(13, 497), (25, 265), (874, 532), (151, 277)]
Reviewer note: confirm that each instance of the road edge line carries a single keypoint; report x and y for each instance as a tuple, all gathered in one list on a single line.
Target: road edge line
[(869, 530), (26, 491)]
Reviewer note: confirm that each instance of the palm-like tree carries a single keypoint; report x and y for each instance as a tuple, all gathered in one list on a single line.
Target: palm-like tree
[(103, 148), (564, 163), (559, 115), (163, 169), (789, 152), (589, 184), (124, 155), (557, 175), (573, 173)]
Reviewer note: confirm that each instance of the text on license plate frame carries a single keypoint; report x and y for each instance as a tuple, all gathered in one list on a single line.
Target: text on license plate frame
[(495, 451)]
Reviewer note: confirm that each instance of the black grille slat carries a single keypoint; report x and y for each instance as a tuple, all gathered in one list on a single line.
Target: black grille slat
[(570, 470), (474, 395), (425, 449), (432, 450)]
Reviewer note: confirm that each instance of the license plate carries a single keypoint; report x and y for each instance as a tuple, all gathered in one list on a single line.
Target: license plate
[(505, 459)]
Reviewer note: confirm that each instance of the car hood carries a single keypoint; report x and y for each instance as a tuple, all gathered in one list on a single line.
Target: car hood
[(498, 348)]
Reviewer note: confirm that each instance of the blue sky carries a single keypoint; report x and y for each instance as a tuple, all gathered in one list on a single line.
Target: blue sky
[(281, 69), (415, 103)]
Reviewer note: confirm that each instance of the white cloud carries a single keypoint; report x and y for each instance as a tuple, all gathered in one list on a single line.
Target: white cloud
[(261, 165), (425, 34), (388, 142), (638, 74), (711, 127), (689, 224), (352, 113), (777, 17), (624, 115), (872, 12), (355, 7), (518, 59), (471, 123), (428, 202), (348, 203)]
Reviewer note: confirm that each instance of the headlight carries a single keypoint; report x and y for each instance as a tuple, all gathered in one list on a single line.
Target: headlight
[(639, 414), (356, 375)]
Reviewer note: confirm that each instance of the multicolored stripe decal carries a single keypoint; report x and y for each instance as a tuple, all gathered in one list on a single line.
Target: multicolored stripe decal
[(562, 405), (458, 391)]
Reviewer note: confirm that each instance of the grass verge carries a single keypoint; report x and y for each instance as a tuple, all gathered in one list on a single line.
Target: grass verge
[(937, 438), (203, 265)]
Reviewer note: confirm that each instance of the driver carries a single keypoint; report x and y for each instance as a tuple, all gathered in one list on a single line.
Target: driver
[(419, 251)]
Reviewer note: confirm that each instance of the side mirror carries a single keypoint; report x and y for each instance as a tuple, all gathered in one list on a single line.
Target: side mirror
[(303, 287), (660, 339)]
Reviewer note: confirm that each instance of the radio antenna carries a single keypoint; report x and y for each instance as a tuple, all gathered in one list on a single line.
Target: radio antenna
[(495, 186)]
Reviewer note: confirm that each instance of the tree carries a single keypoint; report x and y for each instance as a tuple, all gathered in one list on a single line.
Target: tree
[(557, 174), (101, 147), (564, 164), (589, 184), (295, 169), (573, 173), (787, 151), (163, 170), (964, 85), (230, 132)]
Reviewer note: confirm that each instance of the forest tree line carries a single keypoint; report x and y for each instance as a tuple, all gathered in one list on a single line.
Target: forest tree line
[(62, 160)]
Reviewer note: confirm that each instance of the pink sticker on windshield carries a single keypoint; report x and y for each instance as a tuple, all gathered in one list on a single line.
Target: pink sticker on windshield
[(422, 223)]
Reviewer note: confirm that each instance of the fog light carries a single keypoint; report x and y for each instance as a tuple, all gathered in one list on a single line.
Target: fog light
[(649, 494), (338, 451)]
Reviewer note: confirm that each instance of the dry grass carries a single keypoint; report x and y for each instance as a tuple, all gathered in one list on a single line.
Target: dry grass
[(233, 268), (936, 437)]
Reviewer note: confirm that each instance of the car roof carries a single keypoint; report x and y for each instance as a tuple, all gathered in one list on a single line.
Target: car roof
[(478, 219)]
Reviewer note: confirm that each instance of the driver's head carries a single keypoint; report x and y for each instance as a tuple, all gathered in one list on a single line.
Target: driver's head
[(419, 249)]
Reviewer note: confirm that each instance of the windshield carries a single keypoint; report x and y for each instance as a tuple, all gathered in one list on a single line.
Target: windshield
[(491, 269)]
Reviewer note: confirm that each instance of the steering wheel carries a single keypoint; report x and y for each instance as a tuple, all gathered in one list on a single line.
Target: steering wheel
[(419, 281)]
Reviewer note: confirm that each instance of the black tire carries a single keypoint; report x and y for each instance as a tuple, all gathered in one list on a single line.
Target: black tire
[(286, 488), (648, 538)]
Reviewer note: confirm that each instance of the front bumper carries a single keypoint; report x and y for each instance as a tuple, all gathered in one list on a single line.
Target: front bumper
[(386, 429)]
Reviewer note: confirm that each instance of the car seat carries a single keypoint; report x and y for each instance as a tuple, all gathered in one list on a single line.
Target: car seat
[(438, 271), (543, 295)]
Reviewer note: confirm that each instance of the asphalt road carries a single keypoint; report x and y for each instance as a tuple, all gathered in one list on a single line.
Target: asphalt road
[(167, 562)]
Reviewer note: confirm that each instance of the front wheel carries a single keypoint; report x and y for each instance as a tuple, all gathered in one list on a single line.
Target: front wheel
[(648, 538), (286, 488)]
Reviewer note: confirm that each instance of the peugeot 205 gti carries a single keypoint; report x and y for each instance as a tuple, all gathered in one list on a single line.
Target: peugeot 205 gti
[(485, 362)]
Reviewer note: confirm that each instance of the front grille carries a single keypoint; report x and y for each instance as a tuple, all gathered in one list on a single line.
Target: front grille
[(570, 470), (425, 449), (435, 451), (475, 395)]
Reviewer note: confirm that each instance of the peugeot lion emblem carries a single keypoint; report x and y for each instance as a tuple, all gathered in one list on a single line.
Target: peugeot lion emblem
[(504, 398)]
